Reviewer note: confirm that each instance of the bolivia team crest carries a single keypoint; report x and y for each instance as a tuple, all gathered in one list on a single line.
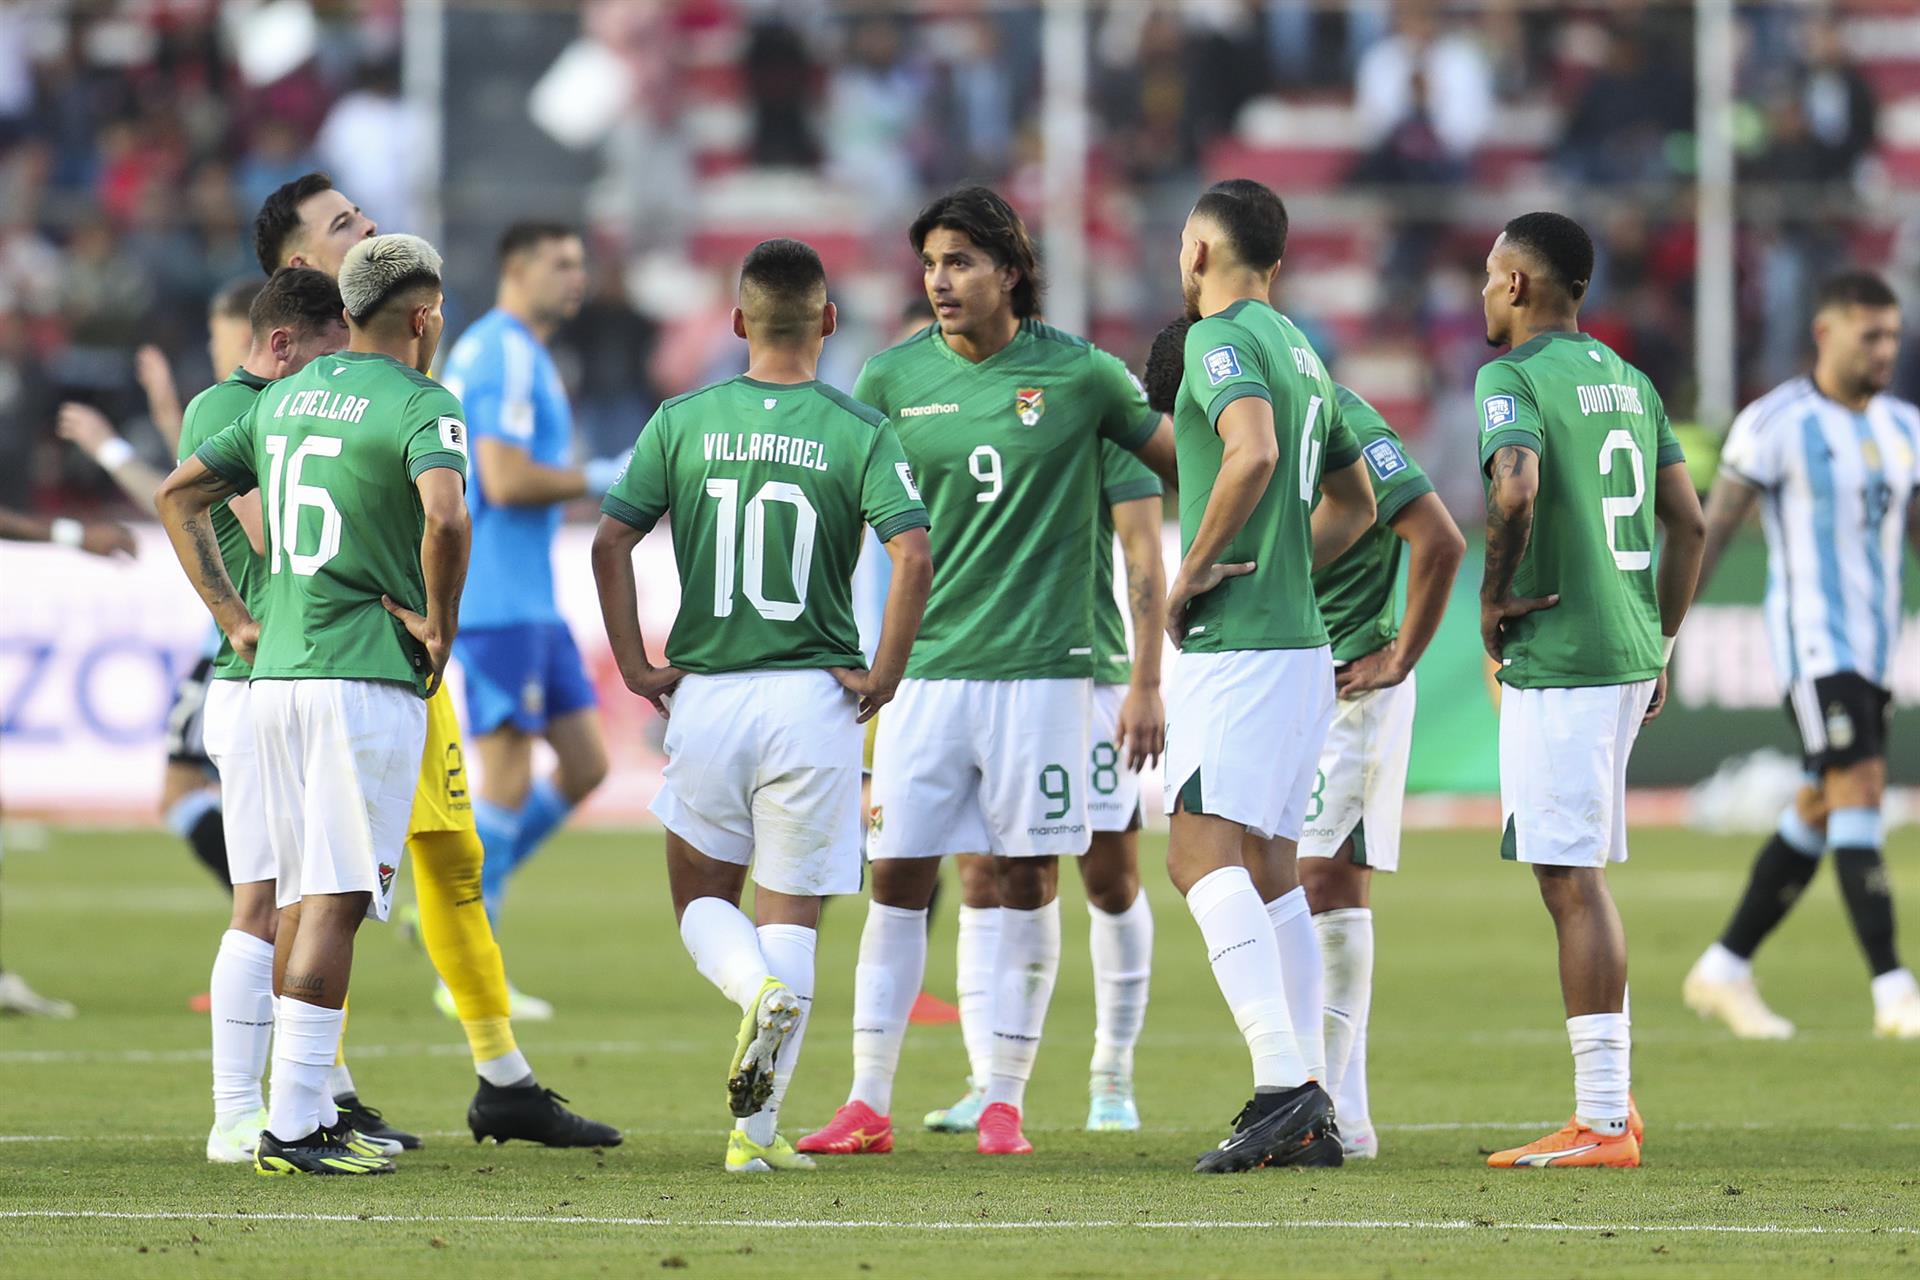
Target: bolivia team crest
[(386, 878), (1030, 403)]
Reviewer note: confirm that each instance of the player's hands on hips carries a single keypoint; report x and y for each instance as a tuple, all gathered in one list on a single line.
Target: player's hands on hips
[(1141, 734), (1496, 614), (1187, 586), (438, 644), (656, 685), (1381, 669), (1659, 702), (245, 640), (874, 692), (84, 425)]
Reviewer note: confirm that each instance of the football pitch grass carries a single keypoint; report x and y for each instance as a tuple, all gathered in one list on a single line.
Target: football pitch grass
[(1762, 1158)]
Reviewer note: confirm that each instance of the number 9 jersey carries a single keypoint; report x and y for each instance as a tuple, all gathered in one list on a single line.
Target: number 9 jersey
[(1601, 432)]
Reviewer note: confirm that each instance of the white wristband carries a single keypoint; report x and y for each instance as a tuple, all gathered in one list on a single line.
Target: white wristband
[(1666, 649), (114, 454), (66, 531)]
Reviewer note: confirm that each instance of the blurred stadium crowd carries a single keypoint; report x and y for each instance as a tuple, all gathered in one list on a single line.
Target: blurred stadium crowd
[(138, 136)]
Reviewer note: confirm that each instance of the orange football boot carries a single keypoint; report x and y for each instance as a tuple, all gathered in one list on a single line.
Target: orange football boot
[(855, 1130), (1635, 1125), (1000, 1132), (1573, 1147)]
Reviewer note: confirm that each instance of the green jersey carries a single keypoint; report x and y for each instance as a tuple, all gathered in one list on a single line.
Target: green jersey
[(1601, 432), (1007, 453), (1357, 592), (769, 485), (206, 415), (339, 446), (1123, 478), (1252, 350)]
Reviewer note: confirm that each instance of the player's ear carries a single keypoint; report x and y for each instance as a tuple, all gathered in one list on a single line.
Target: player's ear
[(829, 320), (739, 323), (280, 345)]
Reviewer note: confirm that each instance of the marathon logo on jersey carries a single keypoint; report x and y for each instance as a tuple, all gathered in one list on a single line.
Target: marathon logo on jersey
[(453, 434), (927, 410), (1500, 411), (1030, 403), (1386, 460), (1221, 363)]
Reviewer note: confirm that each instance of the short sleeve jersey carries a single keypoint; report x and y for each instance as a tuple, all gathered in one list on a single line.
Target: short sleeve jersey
[(1123, 478), (206, 415), (1600, 431), (511, 391), (335, 450), (1358, 592), (1250, 349), (769, 486), (1007, 455)]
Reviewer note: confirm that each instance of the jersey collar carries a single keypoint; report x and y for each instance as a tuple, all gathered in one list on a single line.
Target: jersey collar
[(1021, 337), (246, 379)]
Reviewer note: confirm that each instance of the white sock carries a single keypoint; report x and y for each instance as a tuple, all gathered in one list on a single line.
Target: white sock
[(507, 1070), (339, 1079), (242, 992), (789, 950), (1721, 965), (1246, 963), (1602, 1047), (1305, 977), (1350, 1104), (976, 957), (725, 949), (1346, 950), (1029, 966), (893, 961), (1122, 947), (305, 1039), (1891, 988)]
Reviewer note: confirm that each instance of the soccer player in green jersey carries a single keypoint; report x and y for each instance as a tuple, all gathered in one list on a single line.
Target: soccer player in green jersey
[(297, 317), (364, 462), (1574, 441), (1252, 691), (771, 479), (985, 749)]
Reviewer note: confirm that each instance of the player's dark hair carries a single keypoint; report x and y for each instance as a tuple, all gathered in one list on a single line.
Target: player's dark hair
[(1166, 364), (982, 216), (783, 284), (296, 298), (279, 217), (1560, 243), (1854, 288), (1253, 217), (531, 234), (234, 301)]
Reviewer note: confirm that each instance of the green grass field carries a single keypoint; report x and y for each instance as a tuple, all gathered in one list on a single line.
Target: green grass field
[(1761, 1158)]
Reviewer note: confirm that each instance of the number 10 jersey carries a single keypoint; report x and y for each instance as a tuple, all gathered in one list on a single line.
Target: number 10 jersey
[(1601, 432)]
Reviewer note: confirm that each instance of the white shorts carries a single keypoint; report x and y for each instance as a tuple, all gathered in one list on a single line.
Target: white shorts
[(1244, 729), (228, 737), (1361, 786), (982, 766), (1563, 772), (339, 761), (763, 769), (1113, 790)]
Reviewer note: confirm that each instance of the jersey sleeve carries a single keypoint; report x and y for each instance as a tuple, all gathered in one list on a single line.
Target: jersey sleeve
[(868, 389), (1343, 444), (1124, 478), (1751, 452), (1667, 450), (498, 392), (1125, 416), (639, 496), (1396, 478), (1223, 364), (889, 498), (1508, 412), (229, 454), (436, 433)]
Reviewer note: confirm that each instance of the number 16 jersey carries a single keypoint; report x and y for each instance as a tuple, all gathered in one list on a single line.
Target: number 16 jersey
[(1601, 433), (1007, 453)]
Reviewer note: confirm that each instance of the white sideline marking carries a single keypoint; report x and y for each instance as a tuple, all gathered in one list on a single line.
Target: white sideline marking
[(1042, 1224)]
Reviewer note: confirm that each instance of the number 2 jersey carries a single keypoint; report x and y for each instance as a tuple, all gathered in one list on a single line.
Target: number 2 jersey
[(1601, 432), (335, 450), (1007, 454), (770, 486)]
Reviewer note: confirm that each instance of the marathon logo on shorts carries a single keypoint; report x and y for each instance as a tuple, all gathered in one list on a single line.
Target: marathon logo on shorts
[(1221, 363), (1386, 460), (1058, 829), (1500, 411)]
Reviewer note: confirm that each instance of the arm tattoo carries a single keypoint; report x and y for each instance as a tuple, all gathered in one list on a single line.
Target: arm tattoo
[(213, 570), (1507, 535), (1141, 601)]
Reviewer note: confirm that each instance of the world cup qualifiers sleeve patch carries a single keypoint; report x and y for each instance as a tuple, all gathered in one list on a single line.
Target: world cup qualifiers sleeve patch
[(1386, 460), (453, 434), (906, 480), (1222, 363), (1500, 411)]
